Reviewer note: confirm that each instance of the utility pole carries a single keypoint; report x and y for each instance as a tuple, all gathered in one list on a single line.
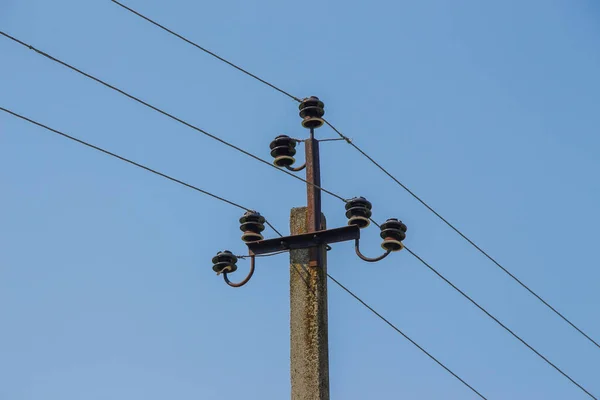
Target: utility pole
[(309, 352)]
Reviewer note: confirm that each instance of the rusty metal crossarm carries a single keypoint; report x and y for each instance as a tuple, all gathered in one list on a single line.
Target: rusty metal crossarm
[(305, 240)]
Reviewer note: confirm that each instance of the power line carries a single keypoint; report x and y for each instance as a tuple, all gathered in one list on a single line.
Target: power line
[(214, 137), (193, 127), (446, 280), (349, 141), (236, 148), (208, 52), (168, 115), (498, 322), (402, 333), (238, 206), (461, 234), (214, 196), (124, 159)]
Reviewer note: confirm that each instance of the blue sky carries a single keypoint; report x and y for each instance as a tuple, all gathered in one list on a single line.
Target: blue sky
[(488, 110)]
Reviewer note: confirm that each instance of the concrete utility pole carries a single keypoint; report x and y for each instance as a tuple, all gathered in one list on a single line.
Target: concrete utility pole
[(309, 354), (308, 293)]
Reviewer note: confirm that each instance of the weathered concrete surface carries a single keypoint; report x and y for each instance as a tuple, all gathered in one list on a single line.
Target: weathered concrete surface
[(308, 319)]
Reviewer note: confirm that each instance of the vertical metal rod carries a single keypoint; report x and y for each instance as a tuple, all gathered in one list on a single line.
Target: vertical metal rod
[(313, 177)]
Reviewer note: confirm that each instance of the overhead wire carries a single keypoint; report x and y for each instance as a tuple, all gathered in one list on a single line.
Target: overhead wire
[(384, 170), (208, 51), (402, 333), (173, 117), (493, 260), (199, 130), (499, 322), (127, 160), (466, 296), (89, 145)]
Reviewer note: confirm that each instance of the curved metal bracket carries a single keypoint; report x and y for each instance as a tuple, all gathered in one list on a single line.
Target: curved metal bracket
[(296, 169), (242, 283), (368, 259)]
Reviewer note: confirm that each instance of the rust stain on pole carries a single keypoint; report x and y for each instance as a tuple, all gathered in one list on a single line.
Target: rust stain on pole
[(308, 316)]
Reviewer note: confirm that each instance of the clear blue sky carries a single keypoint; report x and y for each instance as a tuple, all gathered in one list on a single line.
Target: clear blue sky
[(488, 110)]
